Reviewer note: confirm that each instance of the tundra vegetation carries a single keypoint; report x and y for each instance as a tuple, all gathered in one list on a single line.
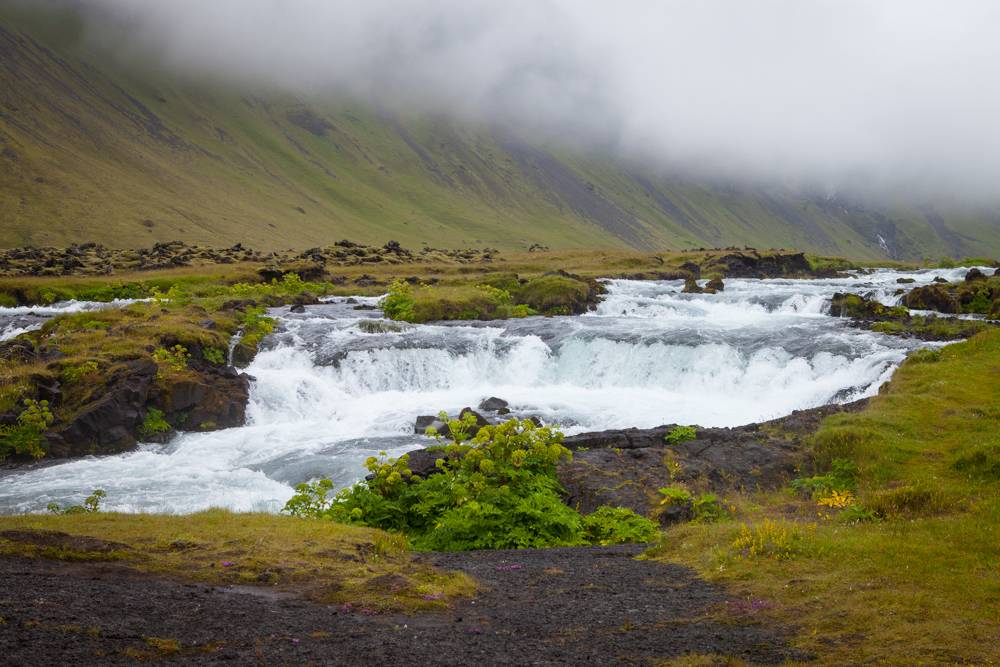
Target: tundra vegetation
[(495, 488), (883, 548)]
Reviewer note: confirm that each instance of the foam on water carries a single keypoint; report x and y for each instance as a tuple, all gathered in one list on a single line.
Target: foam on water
[(327, 393)]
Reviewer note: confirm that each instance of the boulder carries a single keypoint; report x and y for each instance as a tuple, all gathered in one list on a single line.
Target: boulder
[(627, 467), (427, 421), (716, 284), (939, 279), (932, 297), (974, 274), (209, 402), (107, 424), (691, 286), (494, 404), (905, 281)]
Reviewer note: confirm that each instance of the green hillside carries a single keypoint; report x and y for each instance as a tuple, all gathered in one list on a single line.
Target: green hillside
[(93, 150)]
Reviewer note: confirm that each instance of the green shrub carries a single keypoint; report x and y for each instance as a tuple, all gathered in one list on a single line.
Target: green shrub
[(843, 476), (214, 355), (680, 434), (154, 423), (769, 539), (27, 436), (617, 525), (173, 360), (90, 505), (707, 508), (78, 372), (494, 490), (398, 304), (675, 496)]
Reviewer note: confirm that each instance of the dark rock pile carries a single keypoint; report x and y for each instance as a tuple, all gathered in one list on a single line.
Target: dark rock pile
[(96, 259)]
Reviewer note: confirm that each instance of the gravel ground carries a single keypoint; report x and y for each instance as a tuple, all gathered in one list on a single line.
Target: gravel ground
[(578, 606)]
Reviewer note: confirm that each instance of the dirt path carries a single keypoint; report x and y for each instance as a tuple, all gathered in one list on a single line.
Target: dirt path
[(582, 606)]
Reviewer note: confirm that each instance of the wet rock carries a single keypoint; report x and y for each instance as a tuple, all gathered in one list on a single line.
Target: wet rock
[(939, 279), (494, 404), (716, 284), (974, 274), (905, 281), (627, 467), (691, 286), (932, 297), (107, 424), (860, 307), (207, 403), (424, 422), (754, 265), (297, 308)]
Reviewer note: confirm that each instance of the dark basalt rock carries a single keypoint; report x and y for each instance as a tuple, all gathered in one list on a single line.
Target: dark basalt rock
[(754, 265), (716, 285), (932, 297), (859, 307), (627, 467), (974, 274), (691, 286), (906, 281), (494, 404), (108, 424), (207, 403), (425, 422)]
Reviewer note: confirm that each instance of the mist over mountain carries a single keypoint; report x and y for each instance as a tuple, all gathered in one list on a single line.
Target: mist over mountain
[(863, 129), (895, 97)]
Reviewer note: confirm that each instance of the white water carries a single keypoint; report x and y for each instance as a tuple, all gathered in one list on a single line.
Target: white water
[(22, 319), (327, 394)]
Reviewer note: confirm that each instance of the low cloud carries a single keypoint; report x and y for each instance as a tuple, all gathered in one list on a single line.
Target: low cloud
[(896, 97)]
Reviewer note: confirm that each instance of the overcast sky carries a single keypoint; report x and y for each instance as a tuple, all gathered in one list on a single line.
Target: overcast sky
[(903, 95)]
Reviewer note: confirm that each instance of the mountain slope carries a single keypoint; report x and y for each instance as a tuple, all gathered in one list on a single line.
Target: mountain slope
[(91, 150)]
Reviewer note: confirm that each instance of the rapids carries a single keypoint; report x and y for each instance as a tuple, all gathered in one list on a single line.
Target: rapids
[(329, 391)]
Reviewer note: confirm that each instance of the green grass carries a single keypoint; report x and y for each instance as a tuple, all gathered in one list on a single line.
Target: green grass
[(321, 560), (921, 583), (213, 163)]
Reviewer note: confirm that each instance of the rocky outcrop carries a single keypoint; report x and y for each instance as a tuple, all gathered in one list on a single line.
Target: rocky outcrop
[(931, 297), (716, 285), (869, 314), (978, 293), (860, 307), (752, 264), (205, 402), (107, 424), (626, 468), (312, 264), (691, 286)]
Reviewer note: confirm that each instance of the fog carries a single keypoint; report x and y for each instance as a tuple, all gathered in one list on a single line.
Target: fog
[(897, 97)]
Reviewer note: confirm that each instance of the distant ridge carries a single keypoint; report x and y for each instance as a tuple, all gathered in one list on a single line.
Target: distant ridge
[(90, 151)]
